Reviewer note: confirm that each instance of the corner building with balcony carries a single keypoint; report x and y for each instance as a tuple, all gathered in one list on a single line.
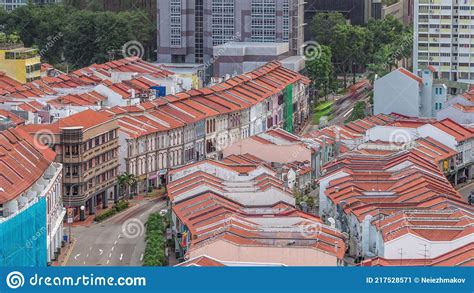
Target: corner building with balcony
[(87, 145)]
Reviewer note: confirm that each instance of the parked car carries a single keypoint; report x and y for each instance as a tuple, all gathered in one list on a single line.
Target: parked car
[(471, 198)]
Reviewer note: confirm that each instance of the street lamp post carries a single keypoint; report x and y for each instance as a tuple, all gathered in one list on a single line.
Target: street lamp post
[(82, 212), (70, 220)]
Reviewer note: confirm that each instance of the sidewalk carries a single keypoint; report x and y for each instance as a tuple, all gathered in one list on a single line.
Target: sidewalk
[(65, 253), (86, 223), (156, 193), (89, 220), (465, 189), (469, 183), (172, 261)]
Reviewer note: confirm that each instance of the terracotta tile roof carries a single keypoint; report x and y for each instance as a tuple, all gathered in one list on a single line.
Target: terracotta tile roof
[(86, 99), (373, 182), (469, 95), (246, 159), (202, 261), (432, 68), (178, 114), (141, 83), (461, 256), (31, 106), (125, 88), (130, 64), (45, 66), (218, 164), (122, 89), (210, 217), (7, 82), (459, 132), (261, 139), (62, 81), (434, 149), (410, 74), (16, 120), (86, 77), (22, 162), (235, 94), (360, 85), (86, 119), (434, 224), (467, 109)]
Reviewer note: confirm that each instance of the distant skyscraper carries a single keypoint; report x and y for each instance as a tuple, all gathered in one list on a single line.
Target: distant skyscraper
[(188, 29), (444, 38)]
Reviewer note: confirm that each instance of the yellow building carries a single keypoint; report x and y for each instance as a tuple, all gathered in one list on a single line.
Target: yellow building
[(20, 63)]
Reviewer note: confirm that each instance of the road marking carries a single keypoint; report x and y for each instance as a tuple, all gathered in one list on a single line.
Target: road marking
[(108, 261), (76, 256), (110, 255), (141, 257), (115, 242), (348, 112), (69, 252), (112, 248), (87, 255), (90, 248), (84, 262), (101, 251), (121, 256), (118, 236)]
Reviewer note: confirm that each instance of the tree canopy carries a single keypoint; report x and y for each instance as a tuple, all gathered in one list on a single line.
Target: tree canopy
[(65, 34), (376, 46), (321, 70), (358, 112)]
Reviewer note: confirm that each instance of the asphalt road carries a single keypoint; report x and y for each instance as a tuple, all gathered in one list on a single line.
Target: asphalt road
[(118, 241), (466, 190), (341, 112), (344, 110)]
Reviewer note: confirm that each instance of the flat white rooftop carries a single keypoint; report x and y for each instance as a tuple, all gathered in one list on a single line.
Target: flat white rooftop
[(251, 48)]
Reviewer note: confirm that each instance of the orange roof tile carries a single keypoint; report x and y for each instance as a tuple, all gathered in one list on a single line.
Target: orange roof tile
[(22, 162), (410, 74)]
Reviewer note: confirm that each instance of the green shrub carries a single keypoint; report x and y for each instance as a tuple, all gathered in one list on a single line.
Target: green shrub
[(155, 241), (120, 206), (104, 215)]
